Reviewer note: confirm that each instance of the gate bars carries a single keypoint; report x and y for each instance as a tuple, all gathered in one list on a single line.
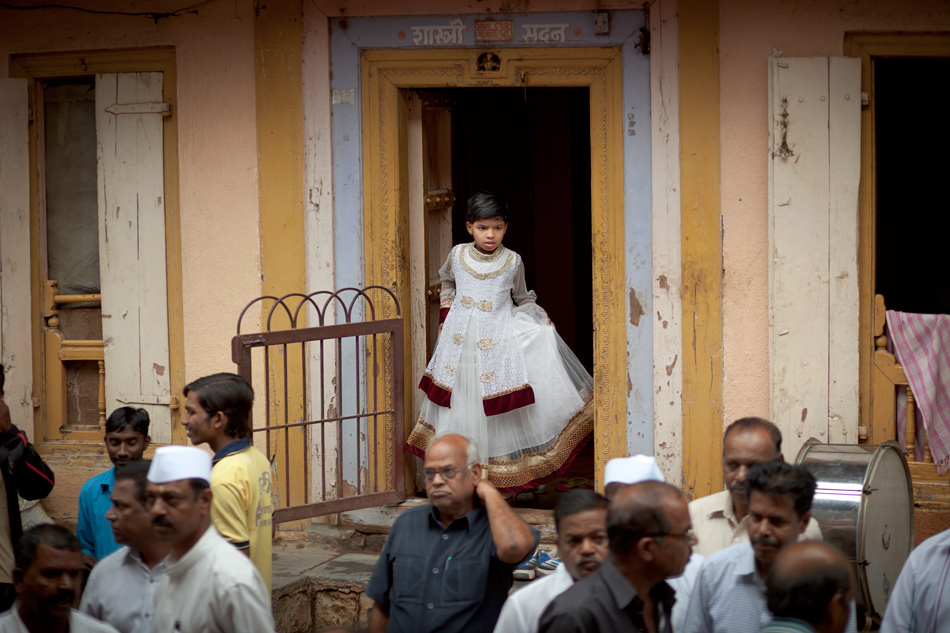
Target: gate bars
[(334, 430)]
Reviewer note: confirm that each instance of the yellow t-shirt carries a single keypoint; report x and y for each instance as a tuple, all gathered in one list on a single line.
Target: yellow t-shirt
[(241, 509)]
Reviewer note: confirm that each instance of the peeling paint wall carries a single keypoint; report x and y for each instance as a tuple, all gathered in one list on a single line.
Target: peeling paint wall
[(749, 31)]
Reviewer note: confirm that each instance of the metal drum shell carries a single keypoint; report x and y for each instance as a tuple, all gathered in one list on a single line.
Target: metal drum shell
[(864, 506)]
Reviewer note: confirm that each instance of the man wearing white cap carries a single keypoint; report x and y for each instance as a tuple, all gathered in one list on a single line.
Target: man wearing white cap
[(623, 471), (208, 586)]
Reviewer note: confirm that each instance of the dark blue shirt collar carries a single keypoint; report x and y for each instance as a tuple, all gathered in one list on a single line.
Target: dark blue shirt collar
[(234, 447)]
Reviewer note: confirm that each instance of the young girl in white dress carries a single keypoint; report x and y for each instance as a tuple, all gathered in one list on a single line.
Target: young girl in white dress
[(500, 374)]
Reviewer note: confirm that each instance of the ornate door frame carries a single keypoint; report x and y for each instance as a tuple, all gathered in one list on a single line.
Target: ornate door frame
[(386, 77)]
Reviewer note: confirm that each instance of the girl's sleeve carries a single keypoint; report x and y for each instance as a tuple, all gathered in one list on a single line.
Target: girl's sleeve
[(525, 299), (447, 277)]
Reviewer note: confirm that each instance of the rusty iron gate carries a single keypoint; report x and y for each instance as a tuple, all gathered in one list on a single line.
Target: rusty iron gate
[(333, 398)]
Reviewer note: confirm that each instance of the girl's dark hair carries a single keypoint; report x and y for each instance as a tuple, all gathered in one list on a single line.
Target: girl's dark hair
[(486, 205)]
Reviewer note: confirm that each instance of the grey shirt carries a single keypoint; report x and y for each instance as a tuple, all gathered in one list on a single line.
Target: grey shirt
[(446, 579), (920, 601), (121, 591)]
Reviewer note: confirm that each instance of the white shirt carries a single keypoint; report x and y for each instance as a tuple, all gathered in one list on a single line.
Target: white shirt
[(121, 591), (213, 588), (683, 586), (921, 597), (714, 523), (729, 595), (10, 622), (523, 609)]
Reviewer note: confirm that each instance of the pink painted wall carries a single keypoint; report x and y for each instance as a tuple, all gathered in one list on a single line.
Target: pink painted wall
[(749, 30), (217, 143), (338, 8)]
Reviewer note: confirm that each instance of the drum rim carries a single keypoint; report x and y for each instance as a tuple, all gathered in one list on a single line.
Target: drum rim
[(861, 527)]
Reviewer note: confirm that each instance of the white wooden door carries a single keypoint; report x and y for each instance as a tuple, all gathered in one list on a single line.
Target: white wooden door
[(129, 111), (814, 169), (15, 316), (431, 197)]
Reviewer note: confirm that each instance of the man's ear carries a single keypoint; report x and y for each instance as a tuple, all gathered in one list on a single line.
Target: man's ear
[(644, 548), (18, 580), (476, 473), (148, 440), (804, 523), (219, 421)]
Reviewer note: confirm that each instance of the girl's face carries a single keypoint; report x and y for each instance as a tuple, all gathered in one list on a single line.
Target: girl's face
[(488, 233)]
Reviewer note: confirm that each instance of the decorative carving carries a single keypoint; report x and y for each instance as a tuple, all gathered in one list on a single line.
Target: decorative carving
[(488, 62)]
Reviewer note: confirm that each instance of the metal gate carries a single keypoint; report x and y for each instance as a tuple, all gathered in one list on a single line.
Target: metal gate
[(333, 404)]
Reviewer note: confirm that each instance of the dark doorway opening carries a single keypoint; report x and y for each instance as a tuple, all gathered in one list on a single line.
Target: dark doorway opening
[(533, 147), (909, 141)]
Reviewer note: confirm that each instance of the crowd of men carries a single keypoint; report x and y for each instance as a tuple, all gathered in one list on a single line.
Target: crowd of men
[(182, 542)]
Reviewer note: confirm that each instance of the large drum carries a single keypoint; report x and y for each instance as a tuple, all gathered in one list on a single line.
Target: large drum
[(865, 506)]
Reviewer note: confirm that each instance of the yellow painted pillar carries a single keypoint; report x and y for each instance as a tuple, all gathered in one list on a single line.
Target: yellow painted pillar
[(701, 244), (277, 73)]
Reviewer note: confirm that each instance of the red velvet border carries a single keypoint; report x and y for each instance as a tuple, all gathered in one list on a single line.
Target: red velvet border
[(435, 393), (556, 474), (415, 450), (443, 312), (509, 401)]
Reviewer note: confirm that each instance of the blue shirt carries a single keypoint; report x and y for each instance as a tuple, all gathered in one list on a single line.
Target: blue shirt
[(729, 595), (95, 532), (920, 600), (445, 579)]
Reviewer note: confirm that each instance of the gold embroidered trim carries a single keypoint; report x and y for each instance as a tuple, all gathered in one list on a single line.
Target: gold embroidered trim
[(488, 376), (498, 394), (467, 302), (450, 369), (486, 344), (446, 303), (457, 338), (484, 305), (436, 382), (501, 271), (485, 257), (549, 458)]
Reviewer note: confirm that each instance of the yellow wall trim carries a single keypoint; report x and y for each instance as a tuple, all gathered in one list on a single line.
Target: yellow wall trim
[(701, 245)]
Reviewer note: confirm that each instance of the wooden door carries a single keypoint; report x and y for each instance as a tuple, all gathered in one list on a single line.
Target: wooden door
[(15, 297), (431, 197), (129, 110)]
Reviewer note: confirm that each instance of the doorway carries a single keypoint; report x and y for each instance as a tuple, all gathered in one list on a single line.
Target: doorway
[(909, 252), (532, 145), (388, 77)]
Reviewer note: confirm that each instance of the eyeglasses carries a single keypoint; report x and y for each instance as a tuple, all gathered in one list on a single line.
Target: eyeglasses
[(687, 534), (448, 473)]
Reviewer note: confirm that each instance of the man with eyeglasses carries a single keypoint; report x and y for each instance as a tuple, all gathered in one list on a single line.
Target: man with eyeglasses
[(650, 540), (729, 595), (720, 519), (447, 566)]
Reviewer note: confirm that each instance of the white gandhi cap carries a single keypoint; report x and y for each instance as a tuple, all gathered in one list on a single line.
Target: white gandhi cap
[(632, 470), (175, 463)]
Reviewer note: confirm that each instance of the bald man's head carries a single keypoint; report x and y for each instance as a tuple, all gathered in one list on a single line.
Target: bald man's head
[(812, 581)]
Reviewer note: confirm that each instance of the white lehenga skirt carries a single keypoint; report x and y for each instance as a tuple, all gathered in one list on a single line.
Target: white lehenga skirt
[(529, 445)]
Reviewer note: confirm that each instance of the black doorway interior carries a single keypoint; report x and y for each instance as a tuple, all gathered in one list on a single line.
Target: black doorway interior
[(533, 146), (909, 144)]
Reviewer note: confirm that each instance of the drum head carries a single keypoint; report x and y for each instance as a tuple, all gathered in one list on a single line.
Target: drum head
[(886, 525)]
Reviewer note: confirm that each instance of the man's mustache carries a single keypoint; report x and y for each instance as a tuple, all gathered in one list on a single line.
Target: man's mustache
[(66, 595), (765, 540), (162, 521)]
